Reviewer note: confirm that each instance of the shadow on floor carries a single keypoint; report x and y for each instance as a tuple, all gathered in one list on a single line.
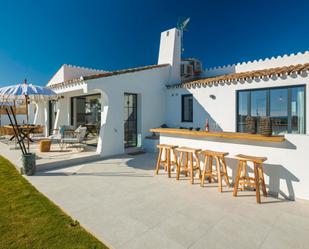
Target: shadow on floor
[(277, 174), (62, 168), (67, 163)]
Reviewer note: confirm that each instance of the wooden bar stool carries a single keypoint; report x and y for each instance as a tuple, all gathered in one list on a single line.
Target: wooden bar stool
[(186, 161), (220, 171), (166, 150), (243, 180)]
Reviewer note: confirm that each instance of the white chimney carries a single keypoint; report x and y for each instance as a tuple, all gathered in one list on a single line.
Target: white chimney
[(170, 53)]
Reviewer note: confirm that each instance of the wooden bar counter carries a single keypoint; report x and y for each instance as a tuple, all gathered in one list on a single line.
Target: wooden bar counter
[(286, 169), (227, 135)]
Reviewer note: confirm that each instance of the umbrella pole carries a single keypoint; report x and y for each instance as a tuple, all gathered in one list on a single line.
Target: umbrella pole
[(27, 119), (22, 148), (18, 131)]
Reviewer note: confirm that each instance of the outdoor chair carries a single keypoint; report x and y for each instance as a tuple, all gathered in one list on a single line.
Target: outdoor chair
[(76, 139), (55, 136), (58, 134)]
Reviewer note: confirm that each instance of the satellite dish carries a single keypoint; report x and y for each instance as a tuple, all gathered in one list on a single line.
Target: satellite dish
[(183, 23), (182, 26)]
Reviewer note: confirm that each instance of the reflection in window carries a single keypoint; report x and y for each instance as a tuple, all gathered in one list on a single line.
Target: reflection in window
[(86, 112), (258, 105), (242, 110), (279, 110), (285, 106)]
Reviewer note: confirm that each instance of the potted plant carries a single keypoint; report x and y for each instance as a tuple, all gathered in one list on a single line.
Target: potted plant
[(29, 164)]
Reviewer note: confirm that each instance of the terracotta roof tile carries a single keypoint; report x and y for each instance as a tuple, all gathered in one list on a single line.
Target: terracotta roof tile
[(244, 75), (104, 75)]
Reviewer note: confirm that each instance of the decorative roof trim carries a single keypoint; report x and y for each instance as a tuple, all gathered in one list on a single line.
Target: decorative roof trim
[(84, 68), (245, 76), (104, 75), (256, 61)]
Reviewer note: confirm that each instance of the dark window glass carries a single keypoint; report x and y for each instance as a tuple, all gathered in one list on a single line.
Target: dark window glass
[(130, 120), (242, 109), (52, 116), (187, 108), (279, 110)]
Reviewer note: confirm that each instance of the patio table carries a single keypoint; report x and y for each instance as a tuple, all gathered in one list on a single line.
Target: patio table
[(25, 131)]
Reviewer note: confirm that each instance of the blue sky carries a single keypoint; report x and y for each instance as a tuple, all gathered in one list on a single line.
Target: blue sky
[(37, 37)]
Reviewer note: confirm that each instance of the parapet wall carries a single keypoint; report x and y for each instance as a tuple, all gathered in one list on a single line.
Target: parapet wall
[(279, 61)]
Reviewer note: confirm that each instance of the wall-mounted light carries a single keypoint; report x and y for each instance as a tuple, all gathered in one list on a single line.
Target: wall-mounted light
[(212, 96)]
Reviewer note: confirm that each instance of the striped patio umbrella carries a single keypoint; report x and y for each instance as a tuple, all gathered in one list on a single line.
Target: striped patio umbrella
[(26, 92)]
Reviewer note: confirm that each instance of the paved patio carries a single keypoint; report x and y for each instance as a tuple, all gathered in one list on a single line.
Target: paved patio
[(122, 203), (55, 158)]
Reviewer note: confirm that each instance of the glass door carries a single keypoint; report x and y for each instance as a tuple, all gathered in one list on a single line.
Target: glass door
[(86, 112), (130, 120)]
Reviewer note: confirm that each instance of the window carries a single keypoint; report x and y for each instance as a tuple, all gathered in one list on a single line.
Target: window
[(187, 108), (285, 106), (279, 110), (298, 110), (258, 105), (243, 111), (86, 111), (130, 120)]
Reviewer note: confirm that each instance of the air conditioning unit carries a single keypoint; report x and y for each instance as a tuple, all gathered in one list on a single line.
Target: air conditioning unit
[(187, 70), (197, 67)]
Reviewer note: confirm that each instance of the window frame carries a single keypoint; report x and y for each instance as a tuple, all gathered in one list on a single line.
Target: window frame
[(268, 89), (183, 96)]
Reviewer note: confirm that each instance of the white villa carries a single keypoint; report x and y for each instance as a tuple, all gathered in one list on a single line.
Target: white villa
[(120, 108)]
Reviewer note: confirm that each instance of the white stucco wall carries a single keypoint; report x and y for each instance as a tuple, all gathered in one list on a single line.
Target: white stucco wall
[(149, 85), (222, 109), (286, 168), (57, 77), (68, 72)]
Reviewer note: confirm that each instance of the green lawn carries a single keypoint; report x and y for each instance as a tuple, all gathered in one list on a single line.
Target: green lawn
[(29, 220)]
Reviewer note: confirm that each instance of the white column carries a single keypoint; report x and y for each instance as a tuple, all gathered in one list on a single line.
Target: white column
[(46, 119), (111, 130), (39, 114)]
